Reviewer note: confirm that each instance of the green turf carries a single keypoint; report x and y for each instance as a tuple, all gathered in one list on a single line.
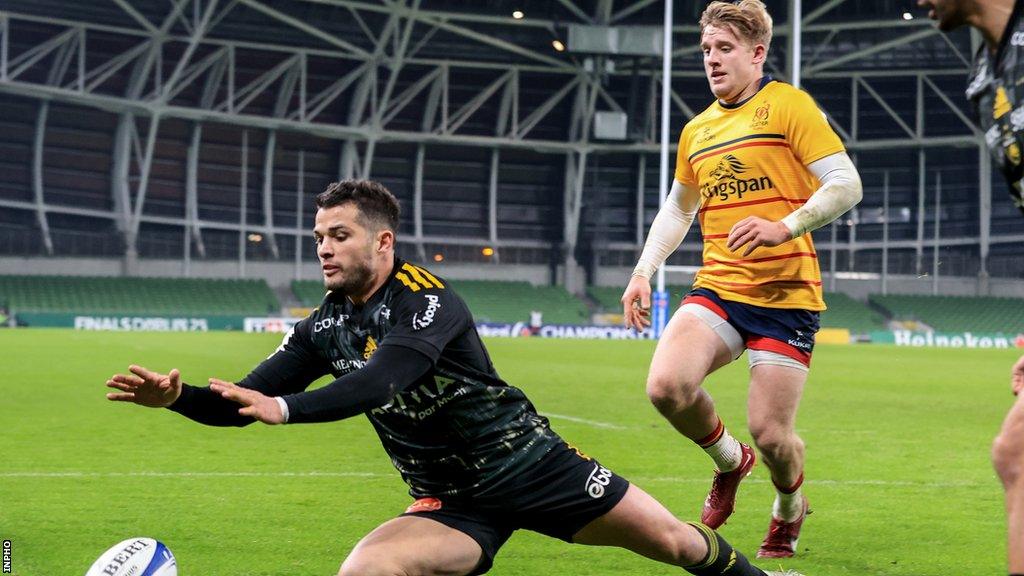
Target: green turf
[(897, 472)]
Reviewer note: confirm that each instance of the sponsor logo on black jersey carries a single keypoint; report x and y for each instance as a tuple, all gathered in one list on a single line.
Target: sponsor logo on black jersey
[(425, 318), (371, 347), (329, 322), (345, 365), (729, 181), (599, 478)]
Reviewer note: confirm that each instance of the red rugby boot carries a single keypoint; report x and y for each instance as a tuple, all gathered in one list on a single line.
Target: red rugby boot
[(782, 536), (721, 500)]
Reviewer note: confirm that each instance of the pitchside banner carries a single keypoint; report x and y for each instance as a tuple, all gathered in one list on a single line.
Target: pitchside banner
[(947, 339), (129, 323)]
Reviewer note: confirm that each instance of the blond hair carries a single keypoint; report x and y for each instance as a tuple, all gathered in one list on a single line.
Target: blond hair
[(748, 19)]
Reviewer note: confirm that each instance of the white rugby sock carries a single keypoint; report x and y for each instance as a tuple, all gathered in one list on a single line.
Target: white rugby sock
[(789, 506), (725, 452)]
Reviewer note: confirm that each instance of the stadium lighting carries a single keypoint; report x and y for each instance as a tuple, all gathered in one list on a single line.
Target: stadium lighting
[(488, 251), (438, 257), (518, 14), (255, 238), (908, 16), (557, 45)]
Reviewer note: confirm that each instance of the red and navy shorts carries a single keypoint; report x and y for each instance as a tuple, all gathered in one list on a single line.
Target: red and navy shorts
[(786, 331)]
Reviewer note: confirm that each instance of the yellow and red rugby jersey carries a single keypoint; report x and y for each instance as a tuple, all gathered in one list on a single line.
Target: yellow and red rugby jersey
[(750, 160)]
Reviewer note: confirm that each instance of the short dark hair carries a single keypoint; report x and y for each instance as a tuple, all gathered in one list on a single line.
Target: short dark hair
[(378, 207)]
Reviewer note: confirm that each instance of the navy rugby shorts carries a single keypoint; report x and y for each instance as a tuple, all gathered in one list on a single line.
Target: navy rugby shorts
[(789, 332)]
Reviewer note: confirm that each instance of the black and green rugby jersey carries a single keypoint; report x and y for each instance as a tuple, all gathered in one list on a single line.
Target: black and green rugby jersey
[(996, 91), (459, 429)]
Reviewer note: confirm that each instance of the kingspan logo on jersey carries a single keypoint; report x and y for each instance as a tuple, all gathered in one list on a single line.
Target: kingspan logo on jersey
[(728, 180), (425, 318)]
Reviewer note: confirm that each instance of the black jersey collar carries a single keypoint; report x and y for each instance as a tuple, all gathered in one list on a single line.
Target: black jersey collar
[(764, 82)]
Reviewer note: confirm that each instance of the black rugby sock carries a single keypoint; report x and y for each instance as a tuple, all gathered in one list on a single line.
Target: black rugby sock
[(722, 559)]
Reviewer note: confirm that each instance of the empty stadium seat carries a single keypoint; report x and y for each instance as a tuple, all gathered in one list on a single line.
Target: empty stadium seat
[(113, 295), (958, 313), (492, 300), (846, 312)]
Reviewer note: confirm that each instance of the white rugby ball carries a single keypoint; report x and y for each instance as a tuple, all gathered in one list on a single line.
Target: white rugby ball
[(135, 557)]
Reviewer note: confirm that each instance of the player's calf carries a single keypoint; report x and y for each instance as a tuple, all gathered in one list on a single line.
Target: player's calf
[(1008, 447), (721, 557), (1008, 459)]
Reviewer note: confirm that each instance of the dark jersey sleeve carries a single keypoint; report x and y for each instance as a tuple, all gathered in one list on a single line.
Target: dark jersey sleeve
[(427, 320), (290, 369), (389, 371)]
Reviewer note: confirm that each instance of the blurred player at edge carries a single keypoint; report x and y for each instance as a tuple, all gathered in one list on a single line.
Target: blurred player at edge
[(995, 92), (760, 168), (479, 461)]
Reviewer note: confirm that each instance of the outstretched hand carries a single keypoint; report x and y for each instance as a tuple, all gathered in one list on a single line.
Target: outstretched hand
[(1017, 376), (145, 387), (753, 232), (255, 405), (636, 303)]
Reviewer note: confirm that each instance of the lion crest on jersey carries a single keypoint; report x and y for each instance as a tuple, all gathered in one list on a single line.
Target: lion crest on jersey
[(726, 180), (728, 167)]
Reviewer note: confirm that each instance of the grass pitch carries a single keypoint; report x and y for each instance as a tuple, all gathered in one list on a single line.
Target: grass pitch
[(898, 471)]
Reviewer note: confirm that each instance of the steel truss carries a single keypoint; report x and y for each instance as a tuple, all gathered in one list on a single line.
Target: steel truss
[(195, 76)]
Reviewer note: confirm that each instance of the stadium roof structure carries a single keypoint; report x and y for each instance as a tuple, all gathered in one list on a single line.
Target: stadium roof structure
[(366, 73)]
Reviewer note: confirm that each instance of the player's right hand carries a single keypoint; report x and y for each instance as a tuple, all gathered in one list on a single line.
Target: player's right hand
[(145, 387), (1017, 377), (636, 303)]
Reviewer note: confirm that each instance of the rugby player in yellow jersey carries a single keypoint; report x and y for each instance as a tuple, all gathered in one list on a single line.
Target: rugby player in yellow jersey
[(760, 168)]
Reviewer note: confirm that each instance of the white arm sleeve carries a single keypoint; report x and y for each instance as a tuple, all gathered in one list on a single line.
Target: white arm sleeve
[(668, 229), (840, 190)]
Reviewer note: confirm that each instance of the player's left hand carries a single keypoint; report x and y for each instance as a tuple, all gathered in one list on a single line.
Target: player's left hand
[(256, 405), (1017, 376), (753, 232)]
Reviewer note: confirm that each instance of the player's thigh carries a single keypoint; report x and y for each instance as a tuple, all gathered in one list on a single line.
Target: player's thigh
[(413, 546), (643, 525), (774, 397), (689, 349), (1008, 449)]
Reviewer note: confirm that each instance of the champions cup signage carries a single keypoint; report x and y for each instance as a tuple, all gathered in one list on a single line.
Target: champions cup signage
[(561, 331)]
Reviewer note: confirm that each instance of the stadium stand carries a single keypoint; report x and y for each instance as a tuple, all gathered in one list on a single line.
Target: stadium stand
[(957, 313), (493, 301), (497, 301), (607, 297), (96, 295), (846, 312), (843, 311), (309, 292)]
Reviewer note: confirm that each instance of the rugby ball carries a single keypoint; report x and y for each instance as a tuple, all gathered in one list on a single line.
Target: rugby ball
[(135, 557)]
